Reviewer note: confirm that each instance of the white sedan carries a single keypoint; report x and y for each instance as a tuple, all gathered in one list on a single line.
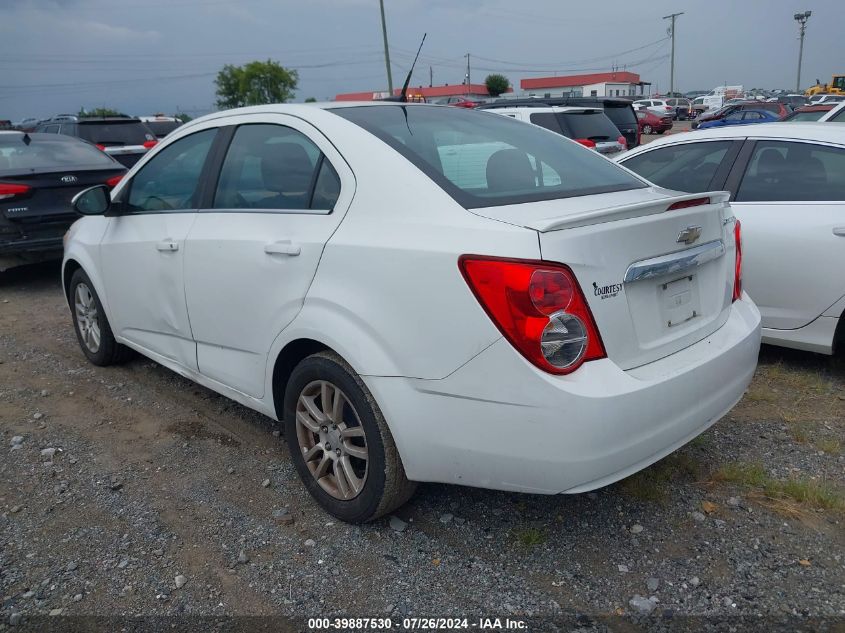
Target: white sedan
[(787, 184), (420, 293)]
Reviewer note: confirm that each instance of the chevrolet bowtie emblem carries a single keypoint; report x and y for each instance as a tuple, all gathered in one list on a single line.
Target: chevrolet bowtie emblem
[(689, 235)]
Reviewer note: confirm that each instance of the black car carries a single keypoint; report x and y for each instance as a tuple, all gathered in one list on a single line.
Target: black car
[(123, 138), (39, 175), (620, 111)]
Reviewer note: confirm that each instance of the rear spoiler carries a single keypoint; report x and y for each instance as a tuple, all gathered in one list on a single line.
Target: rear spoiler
[(624, 211)]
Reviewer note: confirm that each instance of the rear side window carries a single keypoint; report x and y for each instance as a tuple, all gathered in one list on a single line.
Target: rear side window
[(49, 154), (483, 159), (115, 134), (170, 181), (839, 117), (808, 116), (275, 167), (689, 167), (792, 171)]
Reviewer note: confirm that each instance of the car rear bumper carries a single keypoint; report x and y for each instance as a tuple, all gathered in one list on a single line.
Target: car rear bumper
[(498, 422)]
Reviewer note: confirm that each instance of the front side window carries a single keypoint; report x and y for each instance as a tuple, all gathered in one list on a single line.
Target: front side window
[(275, 167), (483, 159), (170, 181), (689, 167), (793, 171)]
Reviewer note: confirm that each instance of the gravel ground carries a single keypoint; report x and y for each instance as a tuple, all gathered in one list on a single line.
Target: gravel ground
[(130, 491)]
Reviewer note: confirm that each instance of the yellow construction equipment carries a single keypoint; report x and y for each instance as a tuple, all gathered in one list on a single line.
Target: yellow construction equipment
[(835, 87)]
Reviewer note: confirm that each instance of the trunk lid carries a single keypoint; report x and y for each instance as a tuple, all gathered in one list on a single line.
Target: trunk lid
[(650, 294)]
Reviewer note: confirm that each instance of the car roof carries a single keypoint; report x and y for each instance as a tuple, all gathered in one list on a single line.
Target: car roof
[(799, 131), (542, 109)]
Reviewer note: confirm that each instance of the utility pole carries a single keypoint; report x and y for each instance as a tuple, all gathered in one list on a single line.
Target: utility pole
[(801, 18), (386, 49), (430, 76), (672, 65), (469, 79)]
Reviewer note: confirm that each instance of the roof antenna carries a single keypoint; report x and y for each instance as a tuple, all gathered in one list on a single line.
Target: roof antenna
[(403, 96)]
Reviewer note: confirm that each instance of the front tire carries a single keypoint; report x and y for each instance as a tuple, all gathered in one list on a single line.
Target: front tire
[(340, 443), (91, 324)]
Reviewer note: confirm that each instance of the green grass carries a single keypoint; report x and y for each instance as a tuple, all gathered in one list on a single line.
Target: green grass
[(832, 447), (652, 483), (809, 493), (529, 537)]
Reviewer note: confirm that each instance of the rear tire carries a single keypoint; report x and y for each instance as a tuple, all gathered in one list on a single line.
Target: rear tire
[(340, 443), (647, 129), (91, 324)]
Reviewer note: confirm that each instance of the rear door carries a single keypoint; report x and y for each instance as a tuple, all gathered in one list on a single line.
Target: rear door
[(282, 191), (790, 197)]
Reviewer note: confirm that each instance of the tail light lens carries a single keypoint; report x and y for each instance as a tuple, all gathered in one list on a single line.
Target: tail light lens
[(685, 204), (114, 180), (621, 140), (738, 267), (100, 147), (585, 142), (150, 144), (539, 308), (10, 190)]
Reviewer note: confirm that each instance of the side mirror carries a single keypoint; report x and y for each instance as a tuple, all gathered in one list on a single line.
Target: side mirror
[(93, 201)]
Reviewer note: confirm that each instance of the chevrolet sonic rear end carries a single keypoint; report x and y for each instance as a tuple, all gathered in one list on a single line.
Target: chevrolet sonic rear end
[(421, 293)]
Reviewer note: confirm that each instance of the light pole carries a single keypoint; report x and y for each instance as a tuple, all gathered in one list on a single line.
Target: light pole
[(801, 18), (672, 17), (386, 49)]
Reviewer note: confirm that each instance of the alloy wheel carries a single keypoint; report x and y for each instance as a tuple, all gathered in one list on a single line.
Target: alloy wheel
[(647, 129), (87, 317), (331, 439)]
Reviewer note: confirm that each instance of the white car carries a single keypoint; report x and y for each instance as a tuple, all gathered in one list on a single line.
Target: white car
[(825, 98), (787, 184), (660, 107), (835, 115), (541, 320), (590, 127)]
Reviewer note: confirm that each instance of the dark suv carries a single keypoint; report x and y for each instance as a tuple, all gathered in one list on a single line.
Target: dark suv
[(620, 111), (123, 138)]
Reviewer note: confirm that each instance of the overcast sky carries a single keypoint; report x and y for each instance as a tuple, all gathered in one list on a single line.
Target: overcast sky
[(161, 56)]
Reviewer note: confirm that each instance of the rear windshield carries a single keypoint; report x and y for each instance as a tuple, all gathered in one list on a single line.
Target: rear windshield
[(115, 133), (595, 126), (49, 153), (621, 115), (162, 128), (483, 159)]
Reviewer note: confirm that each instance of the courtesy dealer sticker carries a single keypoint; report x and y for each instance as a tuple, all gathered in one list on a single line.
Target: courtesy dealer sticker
[(606, 292)]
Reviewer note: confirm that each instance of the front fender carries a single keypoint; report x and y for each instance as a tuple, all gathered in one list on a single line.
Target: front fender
[(82, 246)]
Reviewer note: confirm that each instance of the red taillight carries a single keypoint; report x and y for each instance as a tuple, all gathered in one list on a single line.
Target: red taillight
[(685, 204), (539, 307), (112, 182), (585, 142), (150, 144), (9, 190), (738, 267), (621, 140)]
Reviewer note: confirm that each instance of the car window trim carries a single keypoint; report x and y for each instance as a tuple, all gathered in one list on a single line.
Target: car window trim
[(120, 207), (208, 196)]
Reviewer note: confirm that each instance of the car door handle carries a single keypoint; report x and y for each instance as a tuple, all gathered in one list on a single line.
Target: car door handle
[(167, 246), (285, 247), (839, 230)]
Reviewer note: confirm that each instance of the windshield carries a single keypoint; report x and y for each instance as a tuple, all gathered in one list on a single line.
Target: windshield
[(49, 153), (162, 128), (621, 115), (483, 159), (807, 116), (115, 133)]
